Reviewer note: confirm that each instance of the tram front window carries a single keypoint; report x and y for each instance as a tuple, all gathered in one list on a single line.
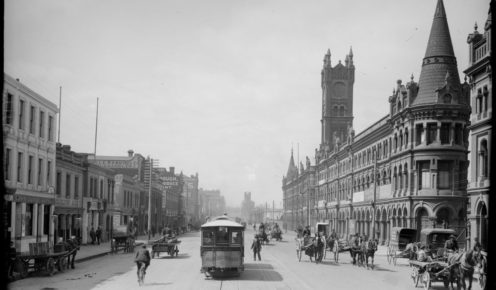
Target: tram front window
[(208, 237), (222, 236)]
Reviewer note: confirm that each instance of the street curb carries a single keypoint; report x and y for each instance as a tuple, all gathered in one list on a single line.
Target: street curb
[(99, 255)]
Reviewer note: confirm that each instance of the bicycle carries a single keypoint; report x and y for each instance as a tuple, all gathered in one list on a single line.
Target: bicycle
[(141, 273)]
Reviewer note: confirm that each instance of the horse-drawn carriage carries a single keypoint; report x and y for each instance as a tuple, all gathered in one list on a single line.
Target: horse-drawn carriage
[(402, 244), (276, 233), (435, 240), (123, 238), (311, 247), (165, 244)]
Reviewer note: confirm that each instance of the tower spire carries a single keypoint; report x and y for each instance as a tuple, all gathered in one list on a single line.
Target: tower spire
[(439, 59)]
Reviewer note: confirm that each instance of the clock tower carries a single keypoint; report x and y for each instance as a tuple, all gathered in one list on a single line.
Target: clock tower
[(337, 100)]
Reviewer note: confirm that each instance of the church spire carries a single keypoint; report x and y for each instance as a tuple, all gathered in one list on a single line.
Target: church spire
[(439, 59)]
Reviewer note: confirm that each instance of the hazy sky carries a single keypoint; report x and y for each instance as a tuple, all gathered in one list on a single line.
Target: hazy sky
[(222, 88)]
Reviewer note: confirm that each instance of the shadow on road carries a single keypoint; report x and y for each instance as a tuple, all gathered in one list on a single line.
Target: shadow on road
[(329, 263), (156, 284), (379, 268), (257, 272), (180, 256), (251, 266)]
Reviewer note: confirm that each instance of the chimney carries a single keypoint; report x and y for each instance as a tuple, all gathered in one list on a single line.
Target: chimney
[(130, 152), (171, 170)]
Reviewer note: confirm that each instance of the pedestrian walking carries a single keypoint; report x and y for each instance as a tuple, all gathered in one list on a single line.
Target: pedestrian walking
[(92, 235), (256, 246), (98, 234)]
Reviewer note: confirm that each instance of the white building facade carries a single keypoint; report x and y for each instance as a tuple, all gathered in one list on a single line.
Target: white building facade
[(29, 128)]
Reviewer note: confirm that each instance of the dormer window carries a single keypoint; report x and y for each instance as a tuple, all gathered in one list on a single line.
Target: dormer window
[(447, 99)]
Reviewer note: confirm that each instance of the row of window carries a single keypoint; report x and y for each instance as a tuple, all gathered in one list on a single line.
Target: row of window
[(37, 173), (27, 219), (38, 124), (72, 185), (131, 199)]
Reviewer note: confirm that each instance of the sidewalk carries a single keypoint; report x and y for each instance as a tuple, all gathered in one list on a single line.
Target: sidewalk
[(89, 251)]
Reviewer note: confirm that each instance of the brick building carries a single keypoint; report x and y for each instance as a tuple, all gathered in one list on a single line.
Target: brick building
[(407, 169)]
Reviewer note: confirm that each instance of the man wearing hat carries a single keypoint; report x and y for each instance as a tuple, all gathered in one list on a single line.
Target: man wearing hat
[(451, 244)]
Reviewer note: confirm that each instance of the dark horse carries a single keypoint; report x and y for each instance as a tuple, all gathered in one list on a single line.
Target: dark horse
[(72, 245), (356, 251), (369, 251), (462, 267)]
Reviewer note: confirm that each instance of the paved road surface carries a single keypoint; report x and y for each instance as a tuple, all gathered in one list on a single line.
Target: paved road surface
[(279, 269)]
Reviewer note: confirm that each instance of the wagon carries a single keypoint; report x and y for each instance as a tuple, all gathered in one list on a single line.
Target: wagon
[(122, 242), (170, 246), (435, 239), (40, 259), (400, 238), (428, 272)]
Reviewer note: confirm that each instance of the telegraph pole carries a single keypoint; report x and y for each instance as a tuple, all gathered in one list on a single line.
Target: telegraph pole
[(150, 200)]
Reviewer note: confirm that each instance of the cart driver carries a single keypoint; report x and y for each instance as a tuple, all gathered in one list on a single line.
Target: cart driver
[(451, 244), (422, 255)]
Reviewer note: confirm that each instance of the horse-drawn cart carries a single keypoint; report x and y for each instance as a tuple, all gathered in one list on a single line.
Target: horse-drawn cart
[(170, 246), (428, 272), (122, 242), (401, 244), (40, 259)]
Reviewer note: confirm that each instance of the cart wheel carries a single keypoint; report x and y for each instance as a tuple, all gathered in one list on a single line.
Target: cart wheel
[(325, 253), (394, 258), (21, 267), (298, 255), (336, 256), (426, 280), (50, 266), (388, 252), (415, 276), (62, 264)]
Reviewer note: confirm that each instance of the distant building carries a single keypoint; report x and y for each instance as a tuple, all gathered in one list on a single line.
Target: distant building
[(70, 189), (191, 200), (29, 165), (247, 206), (129, 169), (479, 72), (212, 204), (171, 199)]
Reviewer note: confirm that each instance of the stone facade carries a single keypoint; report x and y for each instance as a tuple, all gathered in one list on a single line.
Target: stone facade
[(29, 130), (479, 73), (408, 169)]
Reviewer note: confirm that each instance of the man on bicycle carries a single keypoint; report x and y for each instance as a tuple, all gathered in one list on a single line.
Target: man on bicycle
[(142, 259)]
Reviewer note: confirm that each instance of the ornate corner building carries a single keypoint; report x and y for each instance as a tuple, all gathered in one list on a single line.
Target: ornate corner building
[(480, 80), (408, 169)]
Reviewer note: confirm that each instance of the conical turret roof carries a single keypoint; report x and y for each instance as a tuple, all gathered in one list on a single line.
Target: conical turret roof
[(292, 170), (439, 59)]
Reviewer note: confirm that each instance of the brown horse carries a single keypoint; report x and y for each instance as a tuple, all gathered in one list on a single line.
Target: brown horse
[(370, 249), (462, 267)]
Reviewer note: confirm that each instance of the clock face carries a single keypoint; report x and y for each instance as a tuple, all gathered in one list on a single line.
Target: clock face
[(339, 90)]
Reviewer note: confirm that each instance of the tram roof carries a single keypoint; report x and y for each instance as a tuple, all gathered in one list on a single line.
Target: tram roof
[(222, 221), (437, 231)]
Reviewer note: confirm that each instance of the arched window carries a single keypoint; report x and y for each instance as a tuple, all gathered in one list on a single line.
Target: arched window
[(341, 111), (335, 111), (400, 177)]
